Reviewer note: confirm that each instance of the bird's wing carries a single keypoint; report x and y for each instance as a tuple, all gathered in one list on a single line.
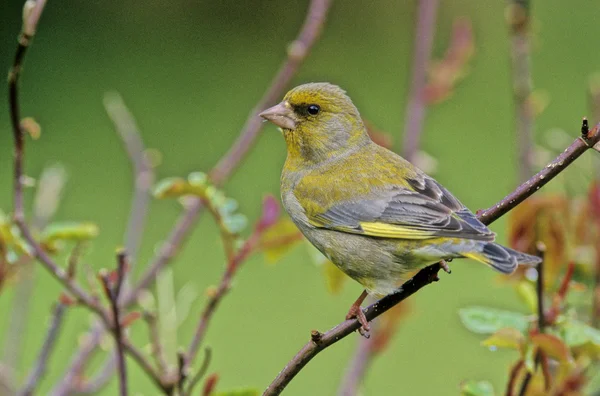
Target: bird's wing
[(420, 209)]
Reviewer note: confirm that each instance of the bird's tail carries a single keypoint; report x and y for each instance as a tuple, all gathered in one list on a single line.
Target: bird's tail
[(501, 258)]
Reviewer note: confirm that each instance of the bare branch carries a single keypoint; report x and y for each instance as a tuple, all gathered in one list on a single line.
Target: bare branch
[(297, 52), (40, 367), (112, 292), (359, 364), (143, 175), (518, 18), (415, 110), (203, 369), (429, 274), (214, 300)]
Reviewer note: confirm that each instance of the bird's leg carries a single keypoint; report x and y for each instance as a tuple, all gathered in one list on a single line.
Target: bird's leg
[(445, 267), (356, 312)]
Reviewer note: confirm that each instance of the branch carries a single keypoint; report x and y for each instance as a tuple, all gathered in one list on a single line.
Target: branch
[(518, 18), (143, 175), (541, 319), (358, 365), (429, 274), (415, 110), (47, 198), (112, 292), (40, 367), (297, 52), (201, 371), (270, 213)]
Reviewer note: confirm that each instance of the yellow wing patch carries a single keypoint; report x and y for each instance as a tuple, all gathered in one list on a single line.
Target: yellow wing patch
[(383, 230)]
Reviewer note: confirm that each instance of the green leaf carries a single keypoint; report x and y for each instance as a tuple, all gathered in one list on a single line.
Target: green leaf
[(69, 231), (483, 320), (476, 388), (576, 333), (239, 392)]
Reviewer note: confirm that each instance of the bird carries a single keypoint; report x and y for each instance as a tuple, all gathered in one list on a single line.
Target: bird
[(372, 213)]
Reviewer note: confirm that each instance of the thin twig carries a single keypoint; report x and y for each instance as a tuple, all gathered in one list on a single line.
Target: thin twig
[(40, 366), (541, 318), (203, 369), (415, 110), (297, 52), (112, 292), (156, 345), (578, 147), (214, 300), (70, 379), (359, 364), (512, 379), (429, 274), (143, 175), (518, 18)]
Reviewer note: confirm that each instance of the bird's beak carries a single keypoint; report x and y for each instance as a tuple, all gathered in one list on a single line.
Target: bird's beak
[(281, 115)]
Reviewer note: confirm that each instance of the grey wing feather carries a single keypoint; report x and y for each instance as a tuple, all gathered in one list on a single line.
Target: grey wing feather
[(429, 207)]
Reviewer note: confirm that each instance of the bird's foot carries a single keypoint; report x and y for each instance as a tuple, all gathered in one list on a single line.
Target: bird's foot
[(445, 267), (356, 312)]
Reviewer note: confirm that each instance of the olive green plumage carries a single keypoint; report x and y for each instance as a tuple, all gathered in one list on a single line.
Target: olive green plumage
[(372, 213)]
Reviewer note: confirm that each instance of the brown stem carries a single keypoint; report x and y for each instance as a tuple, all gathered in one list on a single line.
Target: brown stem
[(218, 295), (359, 364), (200, 373), (415, 110), (300, 48), (429, 274), (112, 292), (40, 366), (143, 175), (518, 18), (297, 52), (541, 318), (512, 379)]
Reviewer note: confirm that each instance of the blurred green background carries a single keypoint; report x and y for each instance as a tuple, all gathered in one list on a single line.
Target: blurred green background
[(191, 71)]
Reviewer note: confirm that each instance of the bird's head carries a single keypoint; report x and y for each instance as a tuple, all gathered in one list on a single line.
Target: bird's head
[(318, 121)]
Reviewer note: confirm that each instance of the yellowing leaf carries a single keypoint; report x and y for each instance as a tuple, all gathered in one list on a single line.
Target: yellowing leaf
[(507, 337), (334, 277), (528, 294), (545, 219), (278, 239), (553, 346)]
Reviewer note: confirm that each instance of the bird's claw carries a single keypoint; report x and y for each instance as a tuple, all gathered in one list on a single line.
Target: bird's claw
[(357, 313), (445, 267)]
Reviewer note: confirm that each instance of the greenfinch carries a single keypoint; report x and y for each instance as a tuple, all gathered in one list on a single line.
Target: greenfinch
[(372, 213)]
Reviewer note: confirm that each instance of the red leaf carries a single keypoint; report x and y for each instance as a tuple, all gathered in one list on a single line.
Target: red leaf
[(66, 299), (209, 384), (270, 213), (131, 317)]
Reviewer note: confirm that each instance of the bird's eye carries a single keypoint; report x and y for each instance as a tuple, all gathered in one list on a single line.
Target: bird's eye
[(313, 109)]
